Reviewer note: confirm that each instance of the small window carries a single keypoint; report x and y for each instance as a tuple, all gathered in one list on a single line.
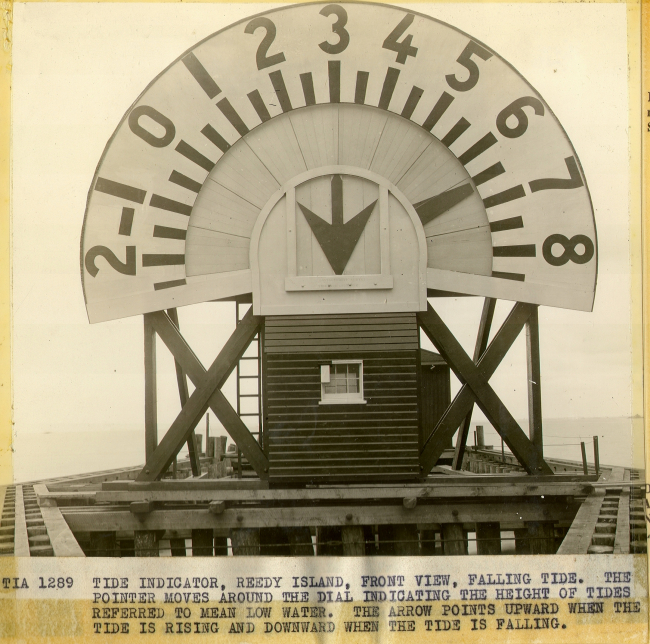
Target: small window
[(342, 382)]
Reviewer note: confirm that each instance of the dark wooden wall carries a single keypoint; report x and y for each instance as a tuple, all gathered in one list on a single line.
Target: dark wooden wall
[(435, 392), (309, 442)]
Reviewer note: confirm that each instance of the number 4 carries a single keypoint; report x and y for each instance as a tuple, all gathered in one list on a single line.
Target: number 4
[(404, 48)]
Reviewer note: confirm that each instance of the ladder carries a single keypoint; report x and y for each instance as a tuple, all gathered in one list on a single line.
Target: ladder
[(253, 358)]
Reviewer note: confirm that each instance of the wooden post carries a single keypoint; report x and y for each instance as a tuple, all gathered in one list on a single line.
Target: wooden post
[(354, 544), (202, 543), (481, 344), (480, 437), (488, 538), (274, 542), (103, 544), (585, 467), (245, 542), (541, 537), (534, 382), (329, 541), (146, 543), (221, 546), (183, 393), (300, 544), (522, 545), (428, 542), (454, 539), (177, 546), (150, 390), (596, 456)]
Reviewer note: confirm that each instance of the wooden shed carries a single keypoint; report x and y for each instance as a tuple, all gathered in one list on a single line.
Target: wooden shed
[(341, 397)]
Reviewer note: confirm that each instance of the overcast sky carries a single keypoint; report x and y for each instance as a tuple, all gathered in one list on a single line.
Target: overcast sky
[(78, 67)]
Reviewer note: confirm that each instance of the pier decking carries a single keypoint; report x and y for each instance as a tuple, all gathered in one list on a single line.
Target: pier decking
[(489, 507)]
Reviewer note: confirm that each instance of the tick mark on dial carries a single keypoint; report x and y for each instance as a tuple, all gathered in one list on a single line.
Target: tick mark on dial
[(439, 204)]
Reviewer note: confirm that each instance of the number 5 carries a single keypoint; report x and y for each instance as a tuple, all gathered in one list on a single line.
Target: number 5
[(465, 59)]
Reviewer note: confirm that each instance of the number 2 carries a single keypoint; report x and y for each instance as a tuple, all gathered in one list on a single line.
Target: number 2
[(338, 28), (404, 48), (261, 57), (126, 268)]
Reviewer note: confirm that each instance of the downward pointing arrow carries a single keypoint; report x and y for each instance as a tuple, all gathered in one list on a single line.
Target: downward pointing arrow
[(338, 240)]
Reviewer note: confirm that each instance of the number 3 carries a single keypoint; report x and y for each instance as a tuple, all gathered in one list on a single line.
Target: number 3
[(338, 28)]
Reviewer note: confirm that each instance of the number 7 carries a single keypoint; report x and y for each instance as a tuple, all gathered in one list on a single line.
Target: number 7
[(574, 180)]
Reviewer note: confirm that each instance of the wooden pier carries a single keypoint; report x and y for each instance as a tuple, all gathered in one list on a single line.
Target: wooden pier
[(489, 507)]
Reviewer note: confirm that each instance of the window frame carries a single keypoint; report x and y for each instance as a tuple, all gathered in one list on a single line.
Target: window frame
[(347, 398)]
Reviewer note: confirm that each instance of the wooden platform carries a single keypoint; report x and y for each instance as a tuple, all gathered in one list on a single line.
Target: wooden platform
[(489, 507)]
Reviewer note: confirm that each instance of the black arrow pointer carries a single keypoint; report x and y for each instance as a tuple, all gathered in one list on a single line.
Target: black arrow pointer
[(338, 240)]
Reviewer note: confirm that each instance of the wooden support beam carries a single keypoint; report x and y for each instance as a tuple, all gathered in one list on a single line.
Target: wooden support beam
[(329, 540), (522, 546), (300, 543), (449, 487), (462, 403), (21, 539), (428, 542), (146, 543), (207, 394), (63, 541), (150, 390), (202, 543), (245, 542), (488, 538), (534, 382), (508, 511), (177, 546), (541, 537), (622, 538), (103, 542), (183, 394), (478, 388), (454, 539), (578, 538), (482, 338), (353, 539)]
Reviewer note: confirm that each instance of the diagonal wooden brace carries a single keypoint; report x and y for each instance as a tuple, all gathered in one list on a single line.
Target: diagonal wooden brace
[(482, 338), (206, 395), (476, 388)]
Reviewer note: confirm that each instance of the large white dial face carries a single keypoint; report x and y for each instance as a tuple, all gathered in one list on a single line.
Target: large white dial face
[(497, 186)]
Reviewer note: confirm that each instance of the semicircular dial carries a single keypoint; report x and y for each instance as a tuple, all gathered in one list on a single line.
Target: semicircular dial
[(389, 100)]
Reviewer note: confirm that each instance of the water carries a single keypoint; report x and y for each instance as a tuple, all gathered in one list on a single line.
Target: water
[(53, 454)]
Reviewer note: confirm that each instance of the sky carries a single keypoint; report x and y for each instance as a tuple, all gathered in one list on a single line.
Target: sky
[(78, 67)]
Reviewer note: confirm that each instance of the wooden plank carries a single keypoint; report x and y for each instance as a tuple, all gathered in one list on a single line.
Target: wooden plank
[(482, 338), (534, 382), (61, 537), (488, 401), (150, 389), (244, 517), (622, 538), (578, 538), (21, 540), (183, 394), (459, 490), (207, 394), (454, 539)]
